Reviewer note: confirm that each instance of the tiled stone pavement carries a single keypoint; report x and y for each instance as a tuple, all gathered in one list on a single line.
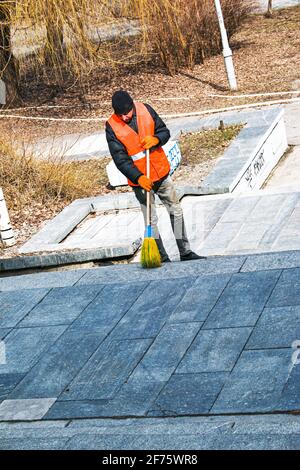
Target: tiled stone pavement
[(201, 338), (260, 222)]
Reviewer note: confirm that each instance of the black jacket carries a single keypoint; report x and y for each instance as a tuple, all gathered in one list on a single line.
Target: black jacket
[(118, 151)]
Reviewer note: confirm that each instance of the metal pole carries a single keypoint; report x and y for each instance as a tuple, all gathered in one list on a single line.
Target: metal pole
[(6, 232), (2, 92), (227, 53)]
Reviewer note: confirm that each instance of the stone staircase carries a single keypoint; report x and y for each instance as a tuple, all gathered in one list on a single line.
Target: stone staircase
[(260, 222)]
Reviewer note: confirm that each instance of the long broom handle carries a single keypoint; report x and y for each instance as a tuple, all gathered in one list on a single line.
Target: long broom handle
[(148, 192)]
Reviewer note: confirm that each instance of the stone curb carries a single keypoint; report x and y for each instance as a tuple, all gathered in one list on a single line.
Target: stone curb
[(68, 257)]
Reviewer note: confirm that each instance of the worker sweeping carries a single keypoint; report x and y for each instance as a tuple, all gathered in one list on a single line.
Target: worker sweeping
[(131, 130)]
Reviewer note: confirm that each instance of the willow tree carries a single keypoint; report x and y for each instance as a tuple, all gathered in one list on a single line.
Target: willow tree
[(8, 68), (59, 35)]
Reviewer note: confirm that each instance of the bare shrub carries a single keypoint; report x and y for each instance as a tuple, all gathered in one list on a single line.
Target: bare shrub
[(184, 32), (25, 179)]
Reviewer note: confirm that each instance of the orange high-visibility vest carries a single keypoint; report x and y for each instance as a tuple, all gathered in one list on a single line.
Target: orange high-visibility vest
[(159, 164)]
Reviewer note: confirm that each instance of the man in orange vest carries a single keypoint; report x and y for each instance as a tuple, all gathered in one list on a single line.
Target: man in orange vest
[(131, 129)]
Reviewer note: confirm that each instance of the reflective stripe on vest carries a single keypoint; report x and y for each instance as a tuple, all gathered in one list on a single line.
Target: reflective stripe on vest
[(138, 156), (159, 164)]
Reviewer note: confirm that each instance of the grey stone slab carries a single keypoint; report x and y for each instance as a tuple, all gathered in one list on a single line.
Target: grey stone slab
[(31, 426), (101, 247), (246, 442), (22, 410), (7, 383), (134, 272), (59, 227), (40, 280), (169, 442), (162, 358), (55, 370), (214, 351), (272, 236), (96, 442), (49, 238), (237, 158), (135, 397), (106, 370), (107, 309), (277, 260), (4, 332), (15, 305), (152, 309), (243, 300), (211, 215), (255, 383), (61, 306), (259, 441), (118, 442), (217, 440), (45, 432), (200, 298), (291, 243), (189, 394), (221, 236), (33, 444), (287, 290), (287, 173), (78, 409), (290, 395), (24, 346), (282, 424), (193, 433), (288, 237), (276, 328), (249, 236), (292, 115), (239, 209), (267, 208), (232, 432), (170, 425), (72, 254)]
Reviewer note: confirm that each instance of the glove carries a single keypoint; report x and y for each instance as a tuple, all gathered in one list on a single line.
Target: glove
[(145, 183), (150, 141)]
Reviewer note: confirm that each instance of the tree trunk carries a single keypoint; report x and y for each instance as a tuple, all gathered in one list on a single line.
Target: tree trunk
[(8, 66), (54, 47), (269, 13)]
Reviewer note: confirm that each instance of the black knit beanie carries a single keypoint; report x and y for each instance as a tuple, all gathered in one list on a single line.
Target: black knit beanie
[(122, 102)]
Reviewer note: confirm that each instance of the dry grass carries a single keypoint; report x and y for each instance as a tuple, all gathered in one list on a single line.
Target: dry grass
[(35, 191), (197, 147), (200, 152), (25, 179)]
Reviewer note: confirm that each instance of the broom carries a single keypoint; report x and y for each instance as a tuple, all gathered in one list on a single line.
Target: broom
[(150, 256)]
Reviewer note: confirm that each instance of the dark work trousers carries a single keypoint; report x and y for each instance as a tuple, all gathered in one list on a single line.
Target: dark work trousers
[(168, 196)]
